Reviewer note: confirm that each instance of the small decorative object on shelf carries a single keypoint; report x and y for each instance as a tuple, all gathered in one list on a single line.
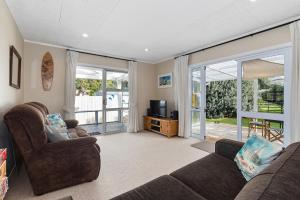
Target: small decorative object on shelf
[(4, 180)]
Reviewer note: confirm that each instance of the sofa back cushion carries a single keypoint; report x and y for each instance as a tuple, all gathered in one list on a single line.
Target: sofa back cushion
[(26, 124), (281, 180), (41, 107)]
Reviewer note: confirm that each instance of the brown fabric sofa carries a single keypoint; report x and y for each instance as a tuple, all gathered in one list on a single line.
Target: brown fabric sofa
[(52, 166), (216, 177)]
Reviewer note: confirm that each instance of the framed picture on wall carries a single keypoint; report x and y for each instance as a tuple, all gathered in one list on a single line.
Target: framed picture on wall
[(165, 80), (14, 68)]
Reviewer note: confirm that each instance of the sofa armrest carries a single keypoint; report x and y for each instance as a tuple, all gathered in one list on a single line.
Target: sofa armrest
[(71, 123), (228, 148)]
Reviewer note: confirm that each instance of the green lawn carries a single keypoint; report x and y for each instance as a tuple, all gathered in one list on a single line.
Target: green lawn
[(269, 107), (232, 121)]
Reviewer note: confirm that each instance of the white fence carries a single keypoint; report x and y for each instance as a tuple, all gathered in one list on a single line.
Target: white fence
[(94, 103), (84, 103)]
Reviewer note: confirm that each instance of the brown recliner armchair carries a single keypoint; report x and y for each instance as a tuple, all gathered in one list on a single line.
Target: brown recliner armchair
[(52, 166)]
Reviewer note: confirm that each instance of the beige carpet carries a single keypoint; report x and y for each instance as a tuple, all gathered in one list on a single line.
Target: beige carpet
[(128, 160)]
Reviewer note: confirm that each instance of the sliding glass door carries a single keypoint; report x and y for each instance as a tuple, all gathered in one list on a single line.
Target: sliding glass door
[(238, 98), (102, 99), (116, 101)]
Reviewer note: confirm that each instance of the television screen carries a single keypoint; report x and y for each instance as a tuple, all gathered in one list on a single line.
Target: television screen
[(158, 108)]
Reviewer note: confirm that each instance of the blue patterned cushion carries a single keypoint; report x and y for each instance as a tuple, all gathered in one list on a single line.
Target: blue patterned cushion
[(56, 123), (56, 120), (256, 154), (54, 136)]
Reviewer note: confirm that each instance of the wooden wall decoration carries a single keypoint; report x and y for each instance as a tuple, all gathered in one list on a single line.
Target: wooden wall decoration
[(47, 70)]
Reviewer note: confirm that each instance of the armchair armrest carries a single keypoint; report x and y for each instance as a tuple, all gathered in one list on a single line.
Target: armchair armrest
[(64, 163), (72, 144), (71, 123), (228, 148)]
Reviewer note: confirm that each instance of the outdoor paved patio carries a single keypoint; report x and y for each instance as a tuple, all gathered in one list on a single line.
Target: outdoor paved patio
[(96, 129), (219, 130)]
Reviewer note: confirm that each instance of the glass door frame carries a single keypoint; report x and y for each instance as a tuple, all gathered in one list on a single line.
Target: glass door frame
[(202, 108), (105, 91), (286, 52), (104, 94)]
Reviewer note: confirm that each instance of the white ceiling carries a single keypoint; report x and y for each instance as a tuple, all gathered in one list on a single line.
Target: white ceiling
[(126, 27)]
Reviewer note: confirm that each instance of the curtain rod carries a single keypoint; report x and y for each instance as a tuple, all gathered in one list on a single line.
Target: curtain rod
[(105, 56), (239, 38)]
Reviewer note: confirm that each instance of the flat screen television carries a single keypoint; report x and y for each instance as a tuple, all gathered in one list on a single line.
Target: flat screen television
[(158, 108)]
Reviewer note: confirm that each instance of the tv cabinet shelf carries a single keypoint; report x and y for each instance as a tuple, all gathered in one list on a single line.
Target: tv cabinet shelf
[(164, 126)]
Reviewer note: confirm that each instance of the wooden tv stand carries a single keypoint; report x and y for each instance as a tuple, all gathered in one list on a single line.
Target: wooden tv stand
[(164, 126)]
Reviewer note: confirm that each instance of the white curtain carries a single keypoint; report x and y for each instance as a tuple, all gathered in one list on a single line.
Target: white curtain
[(70, 90), (295, 84), (133, 121), (181, 95)]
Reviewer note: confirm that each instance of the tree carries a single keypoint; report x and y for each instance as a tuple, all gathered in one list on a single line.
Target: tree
[(221, 99), (87, 86), (247, 95)]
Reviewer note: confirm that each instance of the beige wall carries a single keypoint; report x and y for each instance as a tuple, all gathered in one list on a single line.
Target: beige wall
[(146, 88), (9, 35), (102, 61), (33, 89), (9, 96), (165, 93), (261, 41), (54, 99)]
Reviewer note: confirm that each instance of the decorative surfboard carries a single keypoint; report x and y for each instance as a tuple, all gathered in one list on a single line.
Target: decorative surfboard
[(47, 71)]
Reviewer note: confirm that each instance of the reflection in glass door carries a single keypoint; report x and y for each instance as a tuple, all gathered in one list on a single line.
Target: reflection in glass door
[(102, 99)]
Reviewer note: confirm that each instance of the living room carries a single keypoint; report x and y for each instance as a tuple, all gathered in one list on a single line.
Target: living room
[(160, 100)]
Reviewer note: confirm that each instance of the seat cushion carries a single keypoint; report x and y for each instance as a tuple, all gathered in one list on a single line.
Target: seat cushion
[(77, 132), (213, 177), (164, 187), (279, 181)]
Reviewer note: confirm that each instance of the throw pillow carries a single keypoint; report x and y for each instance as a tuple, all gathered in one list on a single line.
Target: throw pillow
[(56, 123), (54, 136), (256, 154), (56, 120)]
